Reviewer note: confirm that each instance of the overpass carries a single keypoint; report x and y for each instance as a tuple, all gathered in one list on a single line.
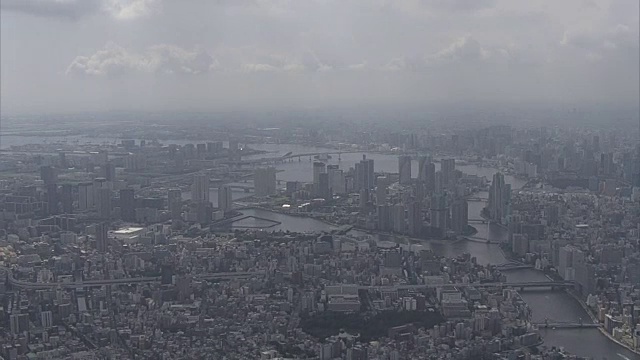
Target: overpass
[(27, 285)]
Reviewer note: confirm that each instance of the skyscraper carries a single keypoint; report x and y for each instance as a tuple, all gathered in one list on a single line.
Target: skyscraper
[(384, 217), (404, 169), (264, 180), (200, 188), (85, 196), (439, 212), (459, 216), (324, 191), (336, 180), (318, 168), (414, 217), (48, 175), (174, 200), (225, 200), (103, 203), (66, 198), (52, 198), (448, 168), (101, 237), (499, 199), (399, 225), (364, 174)]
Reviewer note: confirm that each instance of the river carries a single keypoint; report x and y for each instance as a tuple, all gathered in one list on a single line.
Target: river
[(556, 305)]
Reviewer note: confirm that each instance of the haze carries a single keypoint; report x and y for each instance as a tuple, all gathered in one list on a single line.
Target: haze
[(94, 55)]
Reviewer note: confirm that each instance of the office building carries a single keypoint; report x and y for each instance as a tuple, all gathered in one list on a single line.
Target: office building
[(200, 188), (265, 181), (46, 319), (404, 169), (225, 200), (18, 323)]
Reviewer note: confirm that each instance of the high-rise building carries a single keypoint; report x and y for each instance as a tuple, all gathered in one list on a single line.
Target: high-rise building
[(404, 169), (19, 323), (439, 212), (200, 188), (459, 216), (66, 198), (318, 168), (85, 196), (414, 217), (448, 168), (48, 175), (381, 190), (174, 200), (102, 237), (264, 180), (336, 180), (398, 215), (225, 200), (103, 203), (364, 174), (499, 199), (324, 191), (52, 198), (109, 171), (127, 205), (46, 319), (384, 217)]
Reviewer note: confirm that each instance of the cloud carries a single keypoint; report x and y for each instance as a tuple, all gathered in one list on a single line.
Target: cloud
[(463, 49), (115, 60), (595, 46), (76, 9), (65, 9)]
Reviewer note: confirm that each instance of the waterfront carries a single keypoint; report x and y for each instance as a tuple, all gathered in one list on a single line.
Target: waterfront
[(553, 305), (556, 305)]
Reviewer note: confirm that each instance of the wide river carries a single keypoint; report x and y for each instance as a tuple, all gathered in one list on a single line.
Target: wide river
[(556, 305)]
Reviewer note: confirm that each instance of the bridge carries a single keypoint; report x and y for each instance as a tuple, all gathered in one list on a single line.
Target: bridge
[(520, 284), (27, 285), (565, 325), (476, 199), (477, 221)]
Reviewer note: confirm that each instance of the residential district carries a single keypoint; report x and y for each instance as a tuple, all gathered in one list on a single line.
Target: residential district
[(145, 249)]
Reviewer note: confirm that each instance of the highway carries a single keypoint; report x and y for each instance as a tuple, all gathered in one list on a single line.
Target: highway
[(520, 285), (125, 281)]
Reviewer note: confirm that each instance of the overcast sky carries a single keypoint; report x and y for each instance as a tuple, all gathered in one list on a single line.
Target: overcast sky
[(79, 55)]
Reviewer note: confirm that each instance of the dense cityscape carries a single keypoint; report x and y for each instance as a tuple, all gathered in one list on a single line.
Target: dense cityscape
[(308, 242), (320, 180)]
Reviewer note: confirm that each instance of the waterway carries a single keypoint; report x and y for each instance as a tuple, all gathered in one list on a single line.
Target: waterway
[(556, 305)]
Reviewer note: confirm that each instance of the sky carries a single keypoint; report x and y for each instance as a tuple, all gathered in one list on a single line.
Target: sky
[(96, 55)]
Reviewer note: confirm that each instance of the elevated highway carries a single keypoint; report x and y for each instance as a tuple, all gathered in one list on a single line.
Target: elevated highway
[(124, 281)]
